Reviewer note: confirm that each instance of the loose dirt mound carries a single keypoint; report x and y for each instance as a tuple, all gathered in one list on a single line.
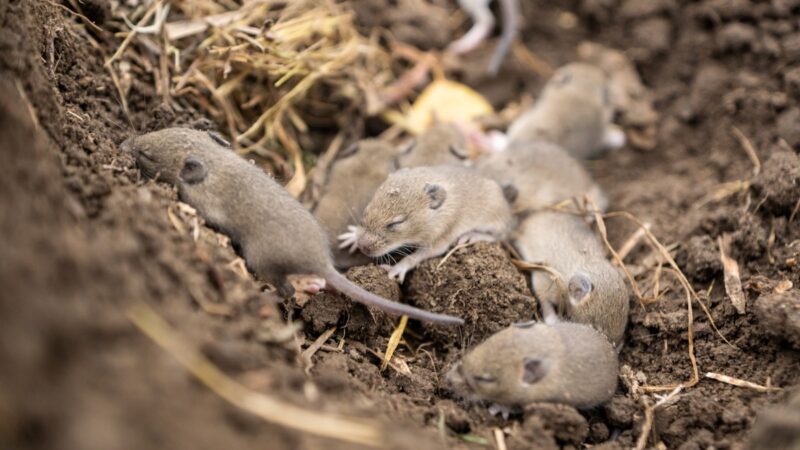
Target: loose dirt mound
[(82, 236)]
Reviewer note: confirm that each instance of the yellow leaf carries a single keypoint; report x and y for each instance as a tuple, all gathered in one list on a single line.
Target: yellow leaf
[(447, 101)]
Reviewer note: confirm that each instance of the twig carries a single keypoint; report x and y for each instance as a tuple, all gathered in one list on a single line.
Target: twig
[(147, 15), (499, 439), (741, 383), (83, 18), (733, 283), (272, 410), (632, 241), (453, 250), (748, 148), (313, 348)]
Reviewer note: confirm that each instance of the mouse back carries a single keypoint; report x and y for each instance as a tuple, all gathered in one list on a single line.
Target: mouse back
[(542, 174)]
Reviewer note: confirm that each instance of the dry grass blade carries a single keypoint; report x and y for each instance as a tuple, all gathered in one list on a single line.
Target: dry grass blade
[(314, 348), (733, 283), (126, 42), (499, 439), (356, 431), (748, 148), (83, 18), (649, 415), (741, 383), (632, 241), (394, 341)]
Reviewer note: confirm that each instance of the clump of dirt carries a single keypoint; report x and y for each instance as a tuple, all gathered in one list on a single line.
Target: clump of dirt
[(779, 315), (478, 283)]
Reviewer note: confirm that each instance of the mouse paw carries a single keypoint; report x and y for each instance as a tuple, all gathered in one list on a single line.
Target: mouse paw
[(349, 239), (398, 272), (474, 236), (497, 409), (314, 285)]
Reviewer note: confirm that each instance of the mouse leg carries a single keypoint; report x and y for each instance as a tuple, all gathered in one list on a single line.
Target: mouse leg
[(283, 286), (399, 270), (349, 239)]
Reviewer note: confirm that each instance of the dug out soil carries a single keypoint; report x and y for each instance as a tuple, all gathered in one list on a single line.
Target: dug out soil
[(82, 237)]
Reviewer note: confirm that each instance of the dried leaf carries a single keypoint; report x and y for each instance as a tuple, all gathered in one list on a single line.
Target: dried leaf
[(733, 283), (446, 101)]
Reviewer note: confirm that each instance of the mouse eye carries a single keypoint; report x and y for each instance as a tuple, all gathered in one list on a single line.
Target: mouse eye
[(484, 378), (396, 222)]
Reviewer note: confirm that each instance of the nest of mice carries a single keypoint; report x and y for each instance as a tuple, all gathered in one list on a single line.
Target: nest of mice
[(691, 56)]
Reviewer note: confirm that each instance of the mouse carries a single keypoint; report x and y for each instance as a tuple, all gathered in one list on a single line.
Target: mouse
[(275, 234), (483, 19), (353, 177), (441, 144), (540, 174), (590, 290), (428, 209), (574, 111), (559, 362)]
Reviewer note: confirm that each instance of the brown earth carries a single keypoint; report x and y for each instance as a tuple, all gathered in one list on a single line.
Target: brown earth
[(82, 236)]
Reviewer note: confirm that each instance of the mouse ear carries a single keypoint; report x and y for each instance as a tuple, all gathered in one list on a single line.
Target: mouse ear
[(408, 147), (524, 325), (194, 170), (458, 151), (436, 194), (533, 370), (510, 191), (351, 150), (216, 137), (579, 288)]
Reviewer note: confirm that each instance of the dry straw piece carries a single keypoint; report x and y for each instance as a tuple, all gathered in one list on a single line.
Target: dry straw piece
[(265, 68)]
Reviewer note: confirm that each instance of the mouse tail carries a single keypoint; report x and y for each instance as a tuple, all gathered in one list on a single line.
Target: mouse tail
[(510, 12), (360, 295)]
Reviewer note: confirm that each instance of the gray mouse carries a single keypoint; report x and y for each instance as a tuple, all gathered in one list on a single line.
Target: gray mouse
[(574, 111), (353, 177), (429, 209), (561, 362), (276, 235), (440, 144), (539, 174), (591, 290)]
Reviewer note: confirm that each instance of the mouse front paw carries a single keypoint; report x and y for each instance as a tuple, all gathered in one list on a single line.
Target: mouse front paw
[(398, 272), (496, 409), (475, 236), (349, 239)]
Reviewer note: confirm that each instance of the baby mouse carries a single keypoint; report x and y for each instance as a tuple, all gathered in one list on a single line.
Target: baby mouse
[(573, 111), (539, 174), (352, 179), (441, 144), (560, 362), (429, 209), (592, 291), (276, 235)]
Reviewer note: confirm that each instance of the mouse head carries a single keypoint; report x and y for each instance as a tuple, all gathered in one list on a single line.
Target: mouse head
[(400, 214), (443, 143), (600, 298), (160, 154), (512, 367), (366, 154), (582, 79)]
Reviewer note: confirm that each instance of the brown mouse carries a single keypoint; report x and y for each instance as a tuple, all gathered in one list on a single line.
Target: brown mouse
[(573, 111), (354, 176), (539, 174), (440, 144), (429, 209), (276, 235), (591, 290), (560, 362)]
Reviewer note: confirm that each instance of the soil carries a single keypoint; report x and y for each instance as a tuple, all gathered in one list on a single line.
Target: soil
[(82, 236)]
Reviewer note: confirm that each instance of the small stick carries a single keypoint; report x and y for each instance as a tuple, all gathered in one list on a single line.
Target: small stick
[(83, 18), (741, 383), (748, 148), (649, 412), (794, 211), (313, 348), (147, 15), (500, 439), (270, 409), (453, 250)]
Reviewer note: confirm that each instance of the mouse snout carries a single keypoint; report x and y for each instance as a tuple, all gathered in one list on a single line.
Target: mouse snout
[(127, 145), (368, 244)]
